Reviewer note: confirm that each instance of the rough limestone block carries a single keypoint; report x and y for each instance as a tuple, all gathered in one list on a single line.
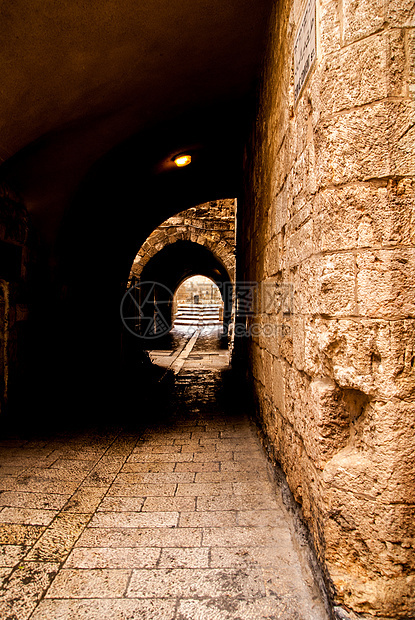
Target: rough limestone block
[(369, 529), (400, 13), (354, 146), (396, 57), (281, 209), (365, 215), (326, 285), (272, 262), (324, 416), (361, 18), (375, 357), (281, 165), (388, 528), (329, 27), (297, 134), (411, 54), (299, 245), (344, 218), (302, 179), (387, 432), (286, 342), (257, 364), (268, 363), (385, 283), (298, 338), (385, 598), (273, 330), (278, 384), (370, 466), (330, 415), (291, 461), (401, 137), (359, 72), (297, 404)]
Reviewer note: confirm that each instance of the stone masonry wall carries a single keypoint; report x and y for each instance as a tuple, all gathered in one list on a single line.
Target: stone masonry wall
[(329, 214), (14, 259), (211, 224)]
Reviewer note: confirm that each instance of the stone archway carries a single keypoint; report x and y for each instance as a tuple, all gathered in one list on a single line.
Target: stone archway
[(211, 225), (170, 267)]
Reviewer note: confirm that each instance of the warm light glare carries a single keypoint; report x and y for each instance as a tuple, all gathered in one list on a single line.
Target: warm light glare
[(182, 160)]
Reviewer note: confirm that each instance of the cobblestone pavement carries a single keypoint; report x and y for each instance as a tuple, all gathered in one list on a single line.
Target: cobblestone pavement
[(178, 521)]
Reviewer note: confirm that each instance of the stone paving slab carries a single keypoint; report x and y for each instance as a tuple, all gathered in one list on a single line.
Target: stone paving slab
[(195, 583), (178, 521), (106, 609), (91, 583), (11, 555), (28, 516), (104, 557), (85, 500)]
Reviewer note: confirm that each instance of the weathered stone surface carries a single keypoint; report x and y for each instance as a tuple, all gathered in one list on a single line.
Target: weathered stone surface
[(94, 583), (359, 72), (335, 393), (352, 147), (188, 583), (411, 54), (401, 138), (373, 356), (384, 283), (105, 609), (18, 534), (102, 557), (329, 27), (57, 541), (10, 555), (397, 61), (28, 516), (22, 591), (85, 500), (361, 18), (400, 13), (364, 215), (231, 608), (326, 285)]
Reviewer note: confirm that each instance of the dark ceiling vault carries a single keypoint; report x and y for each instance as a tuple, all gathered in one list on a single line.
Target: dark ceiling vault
[(81, 78), (97, 96)]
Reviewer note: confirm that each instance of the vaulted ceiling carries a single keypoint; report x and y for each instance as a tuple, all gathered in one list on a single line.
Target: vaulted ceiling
[(120, 81)]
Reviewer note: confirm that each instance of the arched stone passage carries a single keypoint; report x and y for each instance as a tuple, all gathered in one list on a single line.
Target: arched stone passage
[(172, 265), (326, 182), (211, 225), (197, 300)]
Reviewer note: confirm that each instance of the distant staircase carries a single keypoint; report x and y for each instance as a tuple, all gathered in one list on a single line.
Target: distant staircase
[(197, 314)]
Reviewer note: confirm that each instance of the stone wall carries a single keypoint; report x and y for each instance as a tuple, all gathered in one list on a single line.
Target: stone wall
[(329, 214), (211, 224), (14, 258)]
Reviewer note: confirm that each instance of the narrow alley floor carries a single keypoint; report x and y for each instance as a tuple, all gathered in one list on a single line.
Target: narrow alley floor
[(177, 520)]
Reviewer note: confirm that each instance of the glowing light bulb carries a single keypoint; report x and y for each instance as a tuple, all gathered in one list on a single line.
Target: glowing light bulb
[(182, 160)]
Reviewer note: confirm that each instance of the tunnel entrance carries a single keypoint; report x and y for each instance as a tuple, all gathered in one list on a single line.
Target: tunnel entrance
[(197, 302), (192, 347), (184, 328), (181, 282)]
